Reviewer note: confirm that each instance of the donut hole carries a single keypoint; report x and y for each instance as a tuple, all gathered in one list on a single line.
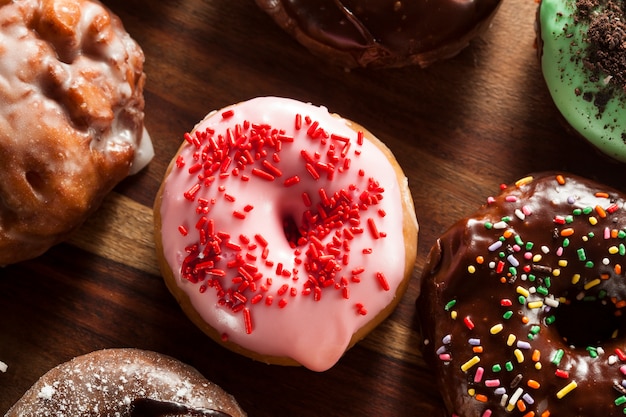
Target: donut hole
[(583, 323), (291, 230)]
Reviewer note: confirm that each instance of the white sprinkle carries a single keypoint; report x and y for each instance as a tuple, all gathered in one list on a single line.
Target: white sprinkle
[(46, 392), (3, 367)]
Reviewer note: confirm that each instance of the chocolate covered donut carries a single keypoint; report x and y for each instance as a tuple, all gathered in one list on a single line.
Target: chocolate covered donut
[(125, 383), (522, 303), (382, 33)]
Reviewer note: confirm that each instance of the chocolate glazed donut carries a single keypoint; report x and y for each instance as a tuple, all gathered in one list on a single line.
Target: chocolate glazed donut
[(522, 303), (382, 33)]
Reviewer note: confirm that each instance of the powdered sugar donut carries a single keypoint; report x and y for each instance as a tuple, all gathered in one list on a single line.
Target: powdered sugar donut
[(285, 233), (125, 382)]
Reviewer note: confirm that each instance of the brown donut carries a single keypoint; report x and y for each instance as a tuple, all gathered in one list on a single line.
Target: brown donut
[(522, 302), (71, 121), (382, 33), (125, 382)]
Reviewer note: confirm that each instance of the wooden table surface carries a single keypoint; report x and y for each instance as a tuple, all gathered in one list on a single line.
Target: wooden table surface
[(458, 128)]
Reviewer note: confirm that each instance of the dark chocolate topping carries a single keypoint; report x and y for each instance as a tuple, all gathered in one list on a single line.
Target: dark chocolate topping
[(388, 30), (522, 303), (146, 407)]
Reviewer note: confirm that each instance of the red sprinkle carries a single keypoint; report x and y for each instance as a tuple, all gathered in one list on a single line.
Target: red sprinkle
[(228, 113), (383, 281)]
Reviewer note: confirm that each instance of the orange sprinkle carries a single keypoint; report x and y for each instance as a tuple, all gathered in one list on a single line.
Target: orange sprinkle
[(503, 280), (480, 260), (530, 414), (507, 234), (567, 232), (605, 276), (533, 384), (560, 179), (614, 233), (618, 269), (481, 397), (602, 195), (536, 355), (601, 212), (525, 320), (618, 313), (620, 304), (545, 413), (521, 405), (477, 349)]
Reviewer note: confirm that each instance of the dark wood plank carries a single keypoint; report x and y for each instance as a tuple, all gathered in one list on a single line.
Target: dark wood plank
[(458, 128)]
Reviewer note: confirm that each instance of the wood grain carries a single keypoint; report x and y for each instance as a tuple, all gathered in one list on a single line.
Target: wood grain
[(458, 129)]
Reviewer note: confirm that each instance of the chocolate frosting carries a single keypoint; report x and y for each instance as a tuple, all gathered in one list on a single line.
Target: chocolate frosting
[(386, 32), (521, 306)]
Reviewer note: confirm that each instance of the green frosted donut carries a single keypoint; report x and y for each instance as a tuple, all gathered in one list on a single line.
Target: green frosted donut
[(583, 59)]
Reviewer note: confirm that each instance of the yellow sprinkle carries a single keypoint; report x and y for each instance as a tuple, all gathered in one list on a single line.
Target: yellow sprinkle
[(613, 250), (593, 220), (518, 355), (524, 181), (522, 291), (566, 390), (536, 258), (453, 314), (562, 263), (510, 407), (471, 392), (591, 284), (535, 304), (468, 365), (575, 278), (496, 329), (538, 366), (471, 269), (556, 272), (511, 339)]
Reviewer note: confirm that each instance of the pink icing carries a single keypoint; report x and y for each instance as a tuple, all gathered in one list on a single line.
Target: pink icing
[(261, 307)]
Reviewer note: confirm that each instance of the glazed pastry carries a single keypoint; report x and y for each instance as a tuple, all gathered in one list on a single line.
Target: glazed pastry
[(71, 84), (522, 303), (382, 33), (275, 212), (582, 47), (125, 382)]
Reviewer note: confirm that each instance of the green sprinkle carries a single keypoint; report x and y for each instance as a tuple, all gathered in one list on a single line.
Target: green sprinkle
[(620, 400), (590, 298), (501, 255), (569, 218), (542, 290), (621, 234), (535, 329), (550, 320), (518, 240), (529, 245), (532, 277), (589, 264), (496, 368), (450, 305), (577, 212), (565, 242), (601, 294), (558, 355), (506, 219), (591, 234), (507, 315), (508, 366), (521, 299), (587, 210), (488, 225), (622, 249), (513, 270), (593, 352), (581, 254), (548, 282)]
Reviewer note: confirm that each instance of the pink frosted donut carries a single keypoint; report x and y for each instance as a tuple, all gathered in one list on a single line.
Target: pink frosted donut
[(286, 233)]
